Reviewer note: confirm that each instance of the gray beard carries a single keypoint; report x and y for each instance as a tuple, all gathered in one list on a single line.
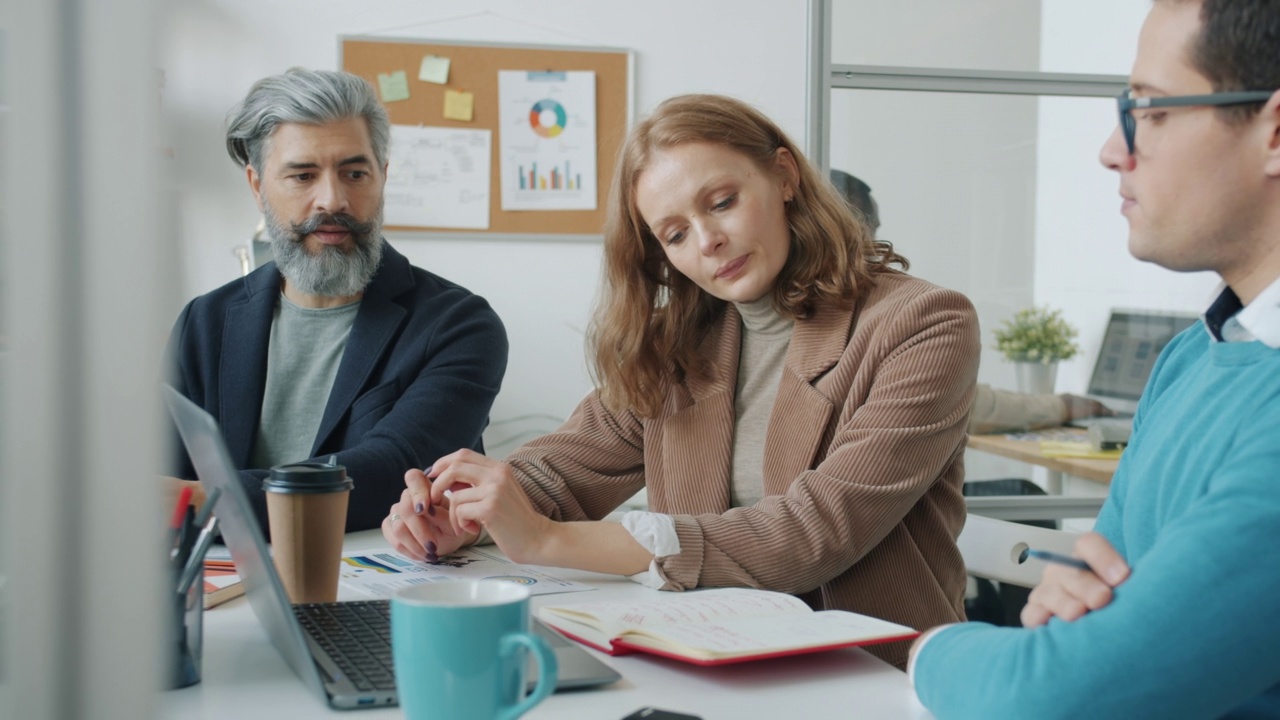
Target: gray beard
[(331, 272)]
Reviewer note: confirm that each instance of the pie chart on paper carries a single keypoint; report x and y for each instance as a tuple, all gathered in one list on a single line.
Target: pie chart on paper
[(547, 118)]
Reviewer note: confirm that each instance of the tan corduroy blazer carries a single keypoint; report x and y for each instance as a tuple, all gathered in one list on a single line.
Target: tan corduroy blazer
[(862, 471)]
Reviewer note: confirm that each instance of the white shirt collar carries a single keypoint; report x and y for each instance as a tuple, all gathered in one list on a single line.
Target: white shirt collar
[(1262, 316)]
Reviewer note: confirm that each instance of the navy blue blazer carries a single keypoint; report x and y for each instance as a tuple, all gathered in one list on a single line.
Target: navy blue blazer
[(423, 363)]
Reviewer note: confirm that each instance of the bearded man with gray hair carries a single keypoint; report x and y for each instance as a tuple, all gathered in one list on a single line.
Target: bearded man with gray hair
[(339, 346)]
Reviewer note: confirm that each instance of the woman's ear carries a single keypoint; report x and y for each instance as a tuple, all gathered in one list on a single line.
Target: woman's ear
[(789, 172)]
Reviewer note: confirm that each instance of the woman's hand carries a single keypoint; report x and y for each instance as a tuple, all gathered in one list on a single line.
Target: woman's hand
[(418, 529), (484, 492), (1068, 593)]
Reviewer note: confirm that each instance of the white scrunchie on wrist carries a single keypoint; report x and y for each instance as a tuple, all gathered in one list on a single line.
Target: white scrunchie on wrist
[(656, 533)]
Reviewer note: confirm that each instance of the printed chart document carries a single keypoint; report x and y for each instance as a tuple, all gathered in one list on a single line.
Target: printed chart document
[(547, 139), (717, 627), (381, 573)]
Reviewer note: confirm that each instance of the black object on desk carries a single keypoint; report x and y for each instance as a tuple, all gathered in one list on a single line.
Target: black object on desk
[(651, 713), (186, 629)]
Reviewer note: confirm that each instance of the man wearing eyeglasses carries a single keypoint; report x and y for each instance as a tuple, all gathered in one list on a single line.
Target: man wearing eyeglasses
[(1178, 615)]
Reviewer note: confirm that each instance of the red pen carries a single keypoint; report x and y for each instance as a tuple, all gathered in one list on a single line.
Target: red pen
[(179, 517), (180, 510)]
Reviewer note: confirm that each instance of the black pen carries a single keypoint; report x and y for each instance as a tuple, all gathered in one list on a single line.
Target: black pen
[(186, 536), (1053, 557)]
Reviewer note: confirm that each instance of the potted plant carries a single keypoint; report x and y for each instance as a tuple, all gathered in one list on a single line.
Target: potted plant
[(1035, 339)]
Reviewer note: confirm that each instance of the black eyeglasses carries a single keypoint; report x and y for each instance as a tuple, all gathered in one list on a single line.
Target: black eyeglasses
[(1125, 103)]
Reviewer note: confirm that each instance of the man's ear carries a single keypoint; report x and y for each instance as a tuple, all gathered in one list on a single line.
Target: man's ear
[(1270, 117), (255, 184)]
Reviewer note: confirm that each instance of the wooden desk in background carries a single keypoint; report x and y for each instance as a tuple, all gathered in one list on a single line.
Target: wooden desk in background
[(1028, 451)]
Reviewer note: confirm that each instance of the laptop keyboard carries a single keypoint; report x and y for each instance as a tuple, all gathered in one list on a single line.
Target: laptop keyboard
[(357, 636)]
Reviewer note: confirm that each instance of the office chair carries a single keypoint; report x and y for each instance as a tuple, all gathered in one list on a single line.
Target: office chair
[(992, 549), (992, 557), (1024, 501), (1026, 504)]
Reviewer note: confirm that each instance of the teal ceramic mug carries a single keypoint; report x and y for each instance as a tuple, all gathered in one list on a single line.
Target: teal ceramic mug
[(460, 649)]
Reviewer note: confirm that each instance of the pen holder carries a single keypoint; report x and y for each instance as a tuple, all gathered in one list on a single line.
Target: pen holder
[(186, 632)]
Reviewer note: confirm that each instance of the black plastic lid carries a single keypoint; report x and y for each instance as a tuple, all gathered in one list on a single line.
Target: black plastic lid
[(307, 477)]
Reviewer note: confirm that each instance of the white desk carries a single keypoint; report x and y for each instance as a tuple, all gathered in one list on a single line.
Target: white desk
[(244, 677)]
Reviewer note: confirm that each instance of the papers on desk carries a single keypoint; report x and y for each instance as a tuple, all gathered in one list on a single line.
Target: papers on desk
[(1082, 450), (1047, 435), (381, 573)]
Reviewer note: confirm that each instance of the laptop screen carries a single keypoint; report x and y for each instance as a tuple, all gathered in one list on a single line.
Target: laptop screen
[(1129, 350), (213, 465)]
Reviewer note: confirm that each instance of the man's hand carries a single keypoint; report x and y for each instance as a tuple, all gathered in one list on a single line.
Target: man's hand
[(1079, 407), (1068, 593), (173, 486)]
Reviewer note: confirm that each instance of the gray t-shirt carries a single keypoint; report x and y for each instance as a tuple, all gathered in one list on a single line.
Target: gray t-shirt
[(765, 338), (302, 362)]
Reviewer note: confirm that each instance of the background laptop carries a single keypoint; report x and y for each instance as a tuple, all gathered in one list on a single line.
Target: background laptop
[(340, 650), (1133, 341)]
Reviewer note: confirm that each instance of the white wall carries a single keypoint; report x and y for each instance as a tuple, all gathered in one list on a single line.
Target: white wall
[(976, 34), (1082, 262), (754, 50)]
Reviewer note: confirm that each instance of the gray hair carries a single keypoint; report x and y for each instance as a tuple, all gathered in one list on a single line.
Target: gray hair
[(308, 97)]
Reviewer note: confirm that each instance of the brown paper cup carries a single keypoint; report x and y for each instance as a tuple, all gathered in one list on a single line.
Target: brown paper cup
[(306, 542), (307, 512)]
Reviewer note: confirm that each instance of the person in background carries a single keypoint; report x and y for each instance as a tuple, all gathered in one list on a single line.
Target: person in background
[(339, 347), (1178, 613), (993, 410), (794, 404)]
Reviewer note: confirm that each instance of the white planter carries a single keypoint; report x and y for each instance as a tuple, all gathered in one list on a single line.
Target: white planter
[(1036, 378)]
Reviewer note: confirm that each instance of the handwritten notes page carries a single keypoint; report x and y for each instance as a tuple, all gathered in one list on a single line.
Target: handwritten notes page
[(711, 627), (438, 177)]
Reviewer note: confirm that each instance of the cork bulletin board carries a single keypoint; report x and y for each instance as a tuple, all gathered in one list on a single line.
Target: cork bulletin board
[(474, 69)]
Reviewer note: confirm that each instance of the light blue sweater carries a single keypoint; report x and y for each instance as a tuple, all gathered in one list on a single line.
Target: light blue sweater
[(1195, 510)]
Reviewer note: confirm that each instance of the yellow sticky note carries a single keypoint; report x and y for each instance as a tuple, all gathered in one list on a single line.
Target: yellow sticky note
[(393, 86), (458, 105), (434, 69)]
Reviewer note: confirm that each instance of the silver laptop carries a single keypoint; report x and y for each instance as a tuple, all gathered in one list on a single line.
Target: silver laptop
[(340, 650), (1133, 341)]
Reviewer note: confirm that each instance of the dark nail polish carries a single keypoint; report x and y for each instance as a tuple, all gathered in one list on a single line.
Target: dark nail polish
[(418, 508), (433, 559), (430, 547), (431, 510)]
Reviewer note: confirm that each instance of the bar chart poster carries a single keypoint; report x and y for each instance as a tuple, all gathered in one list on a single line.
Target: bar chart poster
[(547, 140)]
